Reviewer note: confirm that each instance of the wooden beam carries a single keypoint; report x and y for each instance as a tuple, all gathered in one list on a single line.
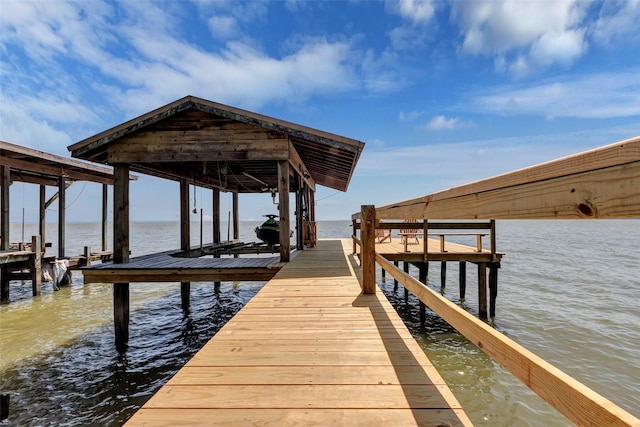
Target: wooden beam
[(105, 215), (283, 207), (5, 176), (601, 183), (185, 238), (299, 167), (62, 206), (368, 249), (121, 253), (574, 400), (168, 146), (55, 170), (216, 215), (42, 214), (236, 216)]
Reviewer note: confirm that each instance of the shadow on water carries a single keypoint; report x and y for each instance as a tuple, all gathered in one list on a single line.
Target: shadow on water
[(88, 382)]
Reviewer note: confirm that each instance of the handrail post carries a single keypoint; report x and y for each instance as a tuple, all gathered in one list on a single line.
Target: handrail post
[(368, 248)]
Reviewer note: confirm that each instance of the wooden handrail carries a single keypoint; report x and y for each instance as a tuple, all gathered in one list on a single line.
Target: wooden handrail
[(573, 399)]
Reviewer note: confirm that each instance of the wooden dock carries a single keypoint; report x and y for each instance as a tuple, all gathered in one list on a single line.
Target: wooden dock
[(309, 349)]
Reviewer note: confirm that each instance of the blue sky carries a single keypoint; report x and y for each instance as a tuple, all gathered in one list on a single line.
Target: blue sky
[(442, 92)]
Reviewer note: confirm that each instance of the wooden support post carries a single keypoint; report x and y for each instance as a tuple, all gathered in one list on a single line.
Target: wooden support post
[(87, 255), (299, 215), (283, 210), (368, 248), (4, 209), (4, 284), (482, 290), (216, 215), (354, 236), (443, 276), (422, 277), (62, 191), (185, 237), (405, 267), (395, 281), (35, 266), (463, 280), (42, 221), (121, 252), (492, 238), (105, 216), (425, 241), (236, 217), (4, 406), (493, 288)]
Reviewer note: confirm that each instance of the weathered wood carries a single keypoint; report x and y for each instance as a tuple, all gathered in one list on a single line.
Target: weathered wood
[(601, 183), (443, 275), (35, 265), (121, 213), (283, 210), (236, 216), (5, 176), (493, 289), (121, 253), (42, 213), (121, 314), (577, 402), (105, 216), (368, 249), (301, 170), (216, 215), (62, 221), (482, 290), (463, 280), (185, 238)]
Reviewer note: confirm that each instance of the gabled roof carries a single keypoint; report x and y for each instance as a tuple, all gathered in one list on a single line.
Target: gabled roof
[(215, 145), (38, 167)]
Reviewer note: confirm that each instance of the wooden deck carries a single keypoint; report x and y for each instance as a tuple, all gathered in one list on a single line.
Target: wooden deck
[(309, 349), (395, 251), (170, 266)]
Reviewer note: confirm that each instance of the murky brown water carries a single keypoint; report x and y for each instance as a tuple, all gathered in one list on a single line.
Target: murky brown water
[(574, 303)]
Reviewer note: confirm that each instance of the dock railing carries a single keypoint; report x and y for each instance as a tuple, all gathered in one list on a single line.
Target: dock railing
[(573, 399), (600, 183)]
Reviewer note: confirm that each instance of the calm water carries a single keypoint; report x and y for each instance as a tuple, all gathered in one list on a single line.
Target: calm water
[(568, 292)]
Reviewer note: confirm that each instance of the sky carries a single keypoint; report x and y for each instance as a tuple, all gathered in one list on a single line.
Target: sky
[(441, 92)]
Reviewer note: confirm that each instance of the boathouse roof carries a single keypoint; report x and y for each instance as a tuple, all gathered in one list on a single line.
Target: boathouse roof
[(37, 167), (218, 146)]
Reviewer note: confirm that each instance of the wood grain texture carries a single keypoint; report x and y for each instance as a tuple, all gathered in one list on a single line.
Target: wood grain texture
[(309, 350)]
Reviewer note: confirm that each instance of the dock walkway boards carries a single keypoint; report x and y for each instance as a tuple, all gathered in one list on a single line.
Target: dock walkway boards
[(309, 349)]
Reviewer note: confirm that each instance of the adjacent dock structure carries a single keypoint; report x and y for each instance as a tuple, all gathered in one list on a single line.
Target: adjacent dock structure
[(309, 349)]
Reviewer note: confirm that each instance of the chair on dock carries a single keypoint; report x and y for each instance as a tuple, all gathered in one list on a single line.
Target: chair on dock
[(382, 235), (407, 234)]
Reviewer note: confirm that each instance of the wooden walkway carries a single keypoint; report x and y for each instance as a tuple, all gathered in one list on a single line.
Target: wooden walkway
[(309, 349)]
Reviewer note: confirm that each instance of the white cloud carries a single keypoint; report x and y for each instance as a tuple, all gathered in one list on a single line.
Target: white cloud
[(447, 123), (596, 96), (617, 23), (223, 27), (412, 115), (546, 32), (417, 11)]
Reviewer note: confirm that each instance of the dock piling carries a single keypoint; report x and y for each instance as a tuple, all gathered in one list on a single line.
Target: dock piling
[(463, 280)]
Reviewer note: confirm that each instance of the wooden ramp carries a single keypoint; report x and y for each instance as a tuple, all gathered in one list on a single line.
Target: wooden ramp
[(309, 349)]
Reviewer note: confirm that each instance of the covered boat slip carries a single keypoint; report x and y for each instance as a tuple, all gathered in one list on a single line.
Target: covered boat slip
[(309, 349)]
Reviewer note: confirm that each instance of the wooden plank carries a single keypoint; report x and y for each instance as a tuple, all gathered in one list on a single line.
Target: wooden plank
[(297, 352), (301, 375), (291, 417), (601, 183), (577, 402)]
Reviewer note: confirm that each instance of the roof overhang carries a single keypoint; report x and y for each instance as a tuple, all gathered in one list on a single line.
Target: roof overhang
[(37, 167), (218, 146)]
